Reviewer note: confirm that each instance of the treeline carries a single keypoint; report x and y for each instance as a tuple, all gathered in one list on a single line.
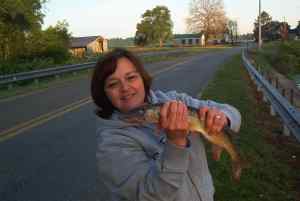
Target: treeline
[(281, 50), (120, 42), (23, 43), (272, 29), (206, 17)]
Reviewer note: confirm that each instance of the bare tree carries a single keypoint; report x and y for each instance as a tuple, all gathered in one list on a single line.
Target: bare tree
[(232, 29), (207, 16)]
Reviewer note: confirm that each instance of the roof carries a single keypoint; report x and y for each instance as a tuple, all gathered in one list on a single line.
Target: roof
[(181, 36), (292, 31), (83, 41)]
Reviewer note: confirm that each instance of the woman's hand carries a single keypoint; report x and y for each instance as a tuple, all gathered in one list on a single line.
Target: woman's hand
[(214, 119), (174, 119)]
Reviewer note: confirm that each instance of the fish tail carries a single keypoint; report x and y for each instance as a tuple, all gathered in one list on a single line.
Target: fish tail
[(237, 168), (216, 152)]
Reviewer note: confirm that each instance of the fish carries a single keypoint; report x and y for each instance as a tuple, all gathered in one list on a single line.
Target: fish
[(150, 113)]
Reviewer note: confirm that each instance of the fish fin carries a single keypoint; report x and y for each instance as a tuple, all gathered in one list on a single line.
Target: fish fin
[(237, 167), (216, 152)]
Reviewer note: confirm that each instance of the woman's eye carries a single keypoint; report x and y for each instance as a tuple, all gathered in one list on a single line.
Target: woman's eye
[(112, 85), (132, 77)]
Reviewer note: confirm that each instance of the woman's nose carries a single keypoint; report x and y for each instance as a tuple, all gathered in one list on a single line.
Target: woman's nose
[(124, 86)]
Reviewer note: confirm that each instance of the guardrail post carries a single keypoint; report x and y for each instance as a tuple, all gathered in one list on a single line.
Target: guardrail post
[(36, 81), (283, 92), (258, 88), (272, 111), (286, 131), (10, 86), (276, 83), (57, 77), (265, 98), (270, 79), (292, 96)]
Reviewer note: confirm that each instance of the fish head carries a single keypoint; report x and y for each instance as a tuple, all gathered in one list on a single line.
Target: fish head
[(152, 115), (142, 115)]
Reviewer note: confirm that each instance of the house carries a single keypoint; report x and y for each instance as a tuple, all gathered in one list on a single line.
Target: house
[(81, 46), (189, 39), (294, 34)]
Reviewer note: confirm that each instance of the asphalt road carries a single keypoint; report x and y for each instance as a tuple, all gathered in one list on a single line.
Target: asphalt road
[(55, 160)]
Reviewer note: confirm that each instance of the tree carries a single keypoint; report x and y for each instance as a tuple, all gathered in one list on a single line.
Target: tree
[(156, 26), (265, 19), (298, 29), (17, 19), (57, 41), (52, 42), (207, 16), (232, 29), (284, 30), (144, 33), (271, 30)]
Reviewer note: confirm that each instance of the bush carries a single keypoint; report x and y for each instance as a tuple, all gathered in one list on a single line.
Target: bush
[(283, 56), (23, 65)]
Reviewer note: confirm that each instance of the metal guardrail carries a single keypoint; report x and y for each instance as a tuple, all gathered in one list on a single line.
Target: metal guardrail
[(288, 113), (36, 74), (11, 78)]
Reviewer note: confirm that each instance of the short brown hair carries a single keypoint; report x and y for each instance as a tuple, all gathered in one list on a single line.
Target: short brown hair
[(104, 68)]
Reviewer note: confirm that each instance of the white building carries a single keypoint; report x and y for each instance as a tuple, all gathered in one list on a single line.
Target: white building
[(189, 39)]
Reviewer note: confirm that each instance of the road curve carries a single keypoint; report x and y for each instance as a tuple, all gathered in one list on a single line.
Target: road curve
[(55, 160)]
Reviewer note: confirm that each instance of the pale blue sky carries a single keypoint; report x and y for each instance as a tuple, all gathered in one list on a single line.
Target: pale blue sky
[(116, 18)]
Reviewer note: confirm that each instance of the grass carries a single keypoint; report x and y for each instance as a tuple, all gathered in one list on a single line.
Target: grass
[(271, 175), (29, 86), (281, 56)]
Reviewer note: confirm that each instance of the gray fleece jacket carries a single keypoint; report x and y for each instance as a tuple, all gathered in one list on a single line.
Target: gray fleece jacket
[(138, 164)]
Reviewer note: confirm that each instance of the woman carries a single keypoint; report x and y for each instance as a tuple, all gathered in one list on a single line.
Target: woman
[(135, 163)]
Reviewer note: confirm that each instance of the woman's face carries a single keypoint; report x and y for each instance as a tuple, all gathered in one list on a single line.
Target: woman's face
[(125, 87)]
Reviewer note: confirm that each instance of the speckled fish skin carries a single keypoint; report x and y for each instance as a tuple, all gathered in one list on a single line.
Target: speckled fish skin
[(151, 114)]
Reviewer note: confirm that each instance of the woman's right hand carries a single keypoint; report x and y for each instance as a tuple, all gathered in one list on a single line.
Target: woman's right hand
[(174, 119)]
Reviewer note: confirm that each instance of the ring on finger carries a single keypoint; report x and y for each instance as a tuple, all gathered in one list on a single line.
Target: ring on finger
[(218, 117)]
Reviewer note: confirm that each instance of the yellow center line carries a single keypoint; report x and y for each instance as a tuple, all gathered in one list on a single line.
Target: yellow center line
[(167, 69), (11, 132)]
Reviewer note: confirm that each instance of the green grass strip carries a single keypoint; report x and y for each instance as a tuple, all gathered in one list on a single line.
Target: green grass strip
[(269, 177)]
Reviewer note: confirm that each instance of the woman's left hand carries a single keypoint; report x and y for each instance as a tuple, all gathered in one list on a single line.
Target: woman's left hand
[(214, 119)]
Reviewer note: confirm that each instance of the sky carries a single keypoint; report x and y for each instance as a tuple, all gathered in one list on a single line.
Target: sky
[(118, 19)]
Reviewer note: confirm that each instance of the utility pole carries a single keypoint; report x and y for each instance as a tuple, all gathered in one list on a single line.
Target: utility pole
[(259, 27)]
